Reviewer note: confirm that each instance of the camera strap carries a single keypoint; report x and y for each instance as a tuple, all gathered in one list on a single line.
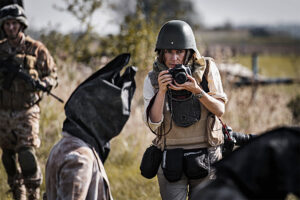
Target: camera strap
[(225, 131)]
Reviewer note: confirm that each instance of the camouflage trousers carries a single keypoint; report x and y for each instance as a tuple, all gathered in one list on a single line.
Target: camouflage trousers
[(18, 138), (19, 128)]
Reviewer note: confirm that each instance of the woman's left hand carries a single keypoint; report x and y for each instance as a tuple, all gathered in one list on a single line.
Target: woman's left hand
[(190, 85)]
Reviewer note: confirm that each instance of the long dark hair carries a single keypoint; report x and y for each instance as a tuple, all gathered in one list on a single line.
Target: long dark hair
[(190, 55)]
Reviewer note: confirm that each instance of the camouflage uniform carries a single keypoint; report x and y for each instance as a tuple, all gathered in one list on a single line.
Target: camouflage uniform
[(20, 114), (74, 171)]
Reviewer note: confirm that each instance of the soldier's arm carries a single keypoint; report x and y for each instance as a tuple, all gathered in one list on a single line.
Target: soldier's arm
[(46, 67)]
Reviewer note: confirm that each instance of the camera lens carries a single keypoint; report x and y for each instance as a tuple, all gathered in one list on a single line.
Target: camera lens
[(180, 77)]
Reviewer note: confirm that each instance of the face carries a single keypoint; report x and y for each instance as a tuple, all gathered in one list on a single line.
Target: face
[(12, 28), (173, 57)]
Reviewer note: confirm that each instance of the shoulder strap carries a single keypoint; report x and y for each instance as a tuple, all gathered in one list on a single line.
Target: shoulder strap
[(204, 82)]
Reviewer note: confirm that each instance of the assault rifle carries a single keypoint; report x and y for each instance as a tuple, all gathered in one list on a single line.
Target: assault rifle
[(11, 71)]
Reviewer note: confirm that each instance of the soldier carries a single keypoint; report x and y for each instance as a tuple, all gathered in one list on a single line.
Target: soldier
[(19, 101)]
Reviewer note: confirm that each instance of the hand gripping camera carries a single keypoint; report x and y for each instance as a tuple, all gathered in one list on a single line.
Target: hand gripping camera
[(179, 73)]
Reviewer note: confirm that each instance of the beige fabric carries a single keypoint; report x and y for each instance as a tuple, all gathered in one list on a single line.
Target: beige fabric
[(214, 130), (75, 172), (191, 137), (214, 82)]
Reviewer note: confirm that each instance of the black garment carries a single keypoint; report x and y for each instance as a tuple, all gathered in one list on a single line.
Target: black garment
[(265, 168), (100, 106)]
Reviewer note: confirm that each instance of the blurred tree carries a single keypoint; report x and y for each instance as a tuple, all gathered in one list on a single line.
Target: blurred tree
[(140, 27), (83, 10), (139, 21), (137, 36), (171, 9), (161, 11)]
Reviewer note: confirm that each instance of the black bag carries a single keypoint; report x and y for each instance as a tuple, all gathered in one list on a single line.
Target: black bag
[(151, 161), (196, 164), (172, 164)]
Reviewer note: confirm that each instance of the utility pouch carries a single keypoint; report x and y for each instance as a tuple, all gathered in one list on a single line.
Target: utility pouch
[(196, 164), (150, 162), (172, 164), (214, 130)]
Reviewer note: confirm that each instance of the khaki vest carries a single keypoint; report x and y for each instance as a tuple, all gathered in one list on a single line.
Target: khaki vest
[(194, 136), (201, 134)]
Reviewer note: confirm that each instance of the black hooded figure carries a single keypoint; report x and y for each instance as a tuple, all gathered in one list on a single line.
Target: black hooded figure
[(95, 113), (99, 108)]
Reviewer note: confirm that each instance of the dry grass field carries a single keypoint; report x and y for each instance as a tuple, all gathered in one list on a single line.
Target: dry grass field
[(248, 110)]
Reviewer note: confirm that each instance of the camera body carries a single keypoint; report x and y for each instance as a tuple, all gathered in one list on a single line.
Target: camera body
[(179, 73)]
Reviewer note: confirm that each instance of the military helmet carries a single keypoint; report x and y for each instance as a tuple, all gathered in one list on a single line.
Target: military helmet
[(176, 34), (13, 11)]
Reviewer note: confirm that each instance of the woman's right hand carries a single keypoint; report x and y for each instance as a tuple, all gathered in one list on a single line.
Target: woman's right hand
[(156, 112), (164, 79)]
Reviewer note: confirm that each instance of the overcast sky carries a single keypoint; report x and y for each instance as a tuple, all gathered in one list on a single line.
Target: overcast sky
[(41, 14)]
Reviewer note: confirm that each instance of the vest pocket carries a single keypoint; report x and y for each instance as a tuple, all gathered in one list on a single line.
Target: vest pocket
[(196, 164), (214, 130)]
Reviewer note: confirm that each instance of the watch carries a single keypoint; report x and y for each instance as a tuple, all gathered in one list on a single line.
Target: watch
[(199, 95)]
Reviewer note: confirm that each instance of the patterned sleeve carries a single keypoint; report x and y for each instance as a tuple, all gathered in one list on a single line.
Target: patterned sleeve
[(149, 93), (74, 176), (215, 83), (46, 67)]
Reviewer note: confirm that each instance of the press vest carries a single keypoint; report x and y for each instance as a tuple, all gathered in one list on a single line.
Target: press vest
[(191, 137)]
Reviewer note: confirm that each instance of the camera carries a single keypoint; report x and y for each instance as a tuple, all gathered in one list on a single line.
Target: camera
[(234, 138), (179, 73)]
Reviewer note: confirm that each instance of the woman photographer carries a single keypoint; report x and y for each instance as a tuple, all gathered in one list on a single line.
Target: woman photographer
[(182, 115)]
